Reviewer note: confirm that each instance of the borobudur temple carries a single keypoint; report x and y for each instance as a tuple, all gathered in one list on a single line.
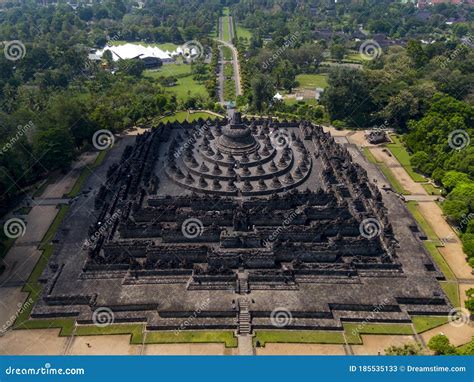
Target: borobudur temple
[(240, 215)]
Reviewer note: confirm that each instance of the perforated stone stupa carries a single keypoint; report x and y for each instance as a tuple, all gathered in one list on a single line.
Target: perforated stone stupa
[(258, 213)]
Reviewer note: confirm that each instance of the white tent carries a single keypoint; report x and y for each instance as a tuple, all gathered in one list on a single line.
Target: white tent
[(278, 97)]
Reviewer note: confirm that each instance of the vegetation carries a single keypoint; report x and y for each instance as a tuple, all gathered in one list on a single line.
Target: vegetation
[(263, 337), (189, 336), (406, 349)]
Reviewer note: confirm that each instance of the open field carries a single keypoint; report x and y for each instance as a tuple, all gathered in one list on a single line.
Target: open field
[(169, 46), (169, 70), (312, 80), (243, 32)]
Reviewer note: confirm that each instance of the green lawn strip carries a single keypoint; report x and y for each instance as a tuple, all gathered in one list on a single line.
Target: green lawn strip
[(242, 32), (135, 330), (228, 70), (464, 348), (432, 248), (370, 157), (395, 184), (66, 325), (386, 171), (452, 291), (432, 190), (190, 336), (163, 46), (229, 90), (399, 151), (188, 87), (425, 226), (312, 81), (169, 70), (226, 53), (300, 336), (354, 330), (86, 171), (42, 187), (49, 235), (225, 28), (424, 323), (182, 116)]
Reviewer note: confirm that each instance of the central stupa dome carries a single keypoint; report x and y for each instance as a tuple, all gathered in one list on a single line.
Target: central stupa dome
[(237, 138)]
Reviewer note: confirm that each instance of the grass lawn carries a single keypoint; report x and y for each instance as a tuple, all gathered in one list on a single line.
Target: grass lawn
[(452, 291), (228, 70), (425, 226), (189, 336), (301, 336), (424, 323), (392, 180), (163, 46), (354, 56), (226, 53), (399, 151), (432, 190), (229, 90), (169, 70), (187, 87), (136, 331), (49, 235), (432, 248), (86, 171), (353, 330), (243, 32), (182, 116), (312, 80)]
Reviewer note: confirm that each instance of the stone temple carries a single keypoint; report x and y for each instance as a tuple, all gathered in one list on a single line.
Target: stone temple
[(236, 220)]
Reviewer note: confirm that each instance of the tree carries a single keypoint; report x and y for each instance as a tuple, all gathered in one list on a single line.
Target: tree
[(452, 178), (416, 53), (441, 346), (406, 349), (348, 97), (262, 91), (338, 51), (133, 67)]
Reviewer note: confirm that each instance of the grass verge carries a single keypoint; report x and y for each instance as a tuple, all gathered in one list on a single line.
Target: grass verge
[(424, 323), (167, 337), (86, 171), (300, 336), (353, 331)]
